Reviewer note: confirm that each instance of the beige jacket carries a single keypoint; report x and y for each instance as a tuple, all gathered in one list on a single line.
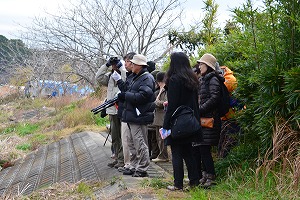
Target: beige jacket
[(103, 77), (159, 112)]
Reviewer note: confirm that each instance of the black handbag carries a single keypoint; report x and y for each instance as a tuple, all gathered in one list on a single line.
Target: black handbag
[(184, 123)]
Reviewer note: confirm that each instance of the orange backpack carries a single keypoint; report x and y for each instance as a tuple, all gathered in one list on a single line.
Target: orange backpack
[(230, 80), (231, 84)]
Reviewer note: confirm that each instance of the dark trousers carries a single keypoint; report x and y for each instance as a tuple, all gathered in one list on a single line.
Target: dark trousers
[(204, 159), (184, 152), (115, 125)]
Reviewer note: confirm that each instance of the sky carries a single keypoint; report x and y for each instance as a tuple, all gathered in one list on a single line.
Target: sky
[(17, 13)]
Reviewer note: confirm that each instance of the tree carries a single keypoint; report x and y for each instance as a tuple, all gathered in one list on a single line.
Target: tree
[(91, 31), (13, 54), (202, 34)]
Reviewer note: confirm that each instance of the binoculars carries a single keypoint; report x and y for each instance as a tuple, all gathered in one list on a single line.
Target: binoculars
[(113, 60)]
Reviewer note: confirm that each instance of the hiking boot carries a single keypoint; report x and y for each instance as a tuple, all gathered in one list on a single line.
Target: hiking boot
[(128, 171), (204, 178), (112, 164), (119, 164), (140, 174), (210, 181)]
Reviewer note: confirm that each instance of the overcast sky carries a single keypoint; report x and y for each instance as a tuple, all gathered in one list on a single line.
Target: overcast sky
[(15, 13)]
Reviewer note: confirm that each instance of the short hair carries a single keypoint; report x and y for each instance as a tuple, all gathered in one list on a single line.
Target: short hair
[(129, 56)]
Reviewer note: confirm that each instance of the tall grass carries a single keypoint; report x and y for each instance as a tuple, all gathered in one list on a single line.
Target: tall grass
[(283, 159)]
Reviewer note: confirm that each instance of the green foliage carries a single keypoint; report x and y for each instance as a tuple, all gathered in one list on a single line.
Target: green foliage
[(239, 157), (101, 121), (25, 129), (85, 189), (156, 183), (24, 147), (8, 130)]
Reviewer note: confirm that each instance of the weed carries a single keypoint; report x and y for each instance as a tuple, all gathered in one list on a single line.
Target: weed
[(85, 189), (24, 147), (8, 130), (25, 129), (156, 183)]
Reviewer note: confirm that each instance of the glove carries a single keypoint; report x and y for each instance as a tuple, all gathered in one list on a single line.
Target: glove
[(119, 64), (121, 96), (116, 76), (108, 63)]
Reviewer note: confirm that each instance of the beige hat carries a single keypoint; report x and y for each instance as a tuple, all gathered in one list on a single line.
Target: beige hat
[(139, 59), (209, 60)]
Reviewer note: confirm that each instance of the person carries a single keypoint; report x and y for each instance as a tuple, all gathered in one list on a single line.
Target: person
[(230, 127), (152, 141), (104, 77), (159, 113), (182, 89), (138, 113), (124, 86), (209, 100)]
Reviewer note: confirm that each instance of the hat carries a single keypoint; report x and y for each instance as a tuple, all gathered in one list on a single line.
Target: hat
[(139, 59), (209, 60)]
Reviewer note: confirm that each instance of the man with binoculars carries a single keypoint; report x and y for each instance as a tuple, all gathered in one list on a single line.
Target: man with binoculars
[(104, 78)]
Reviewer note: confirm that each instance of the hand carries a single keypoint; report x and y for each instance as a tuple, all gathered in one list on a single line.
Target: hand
[(108, 63), (119, 64), (121, 96), (116, 76)]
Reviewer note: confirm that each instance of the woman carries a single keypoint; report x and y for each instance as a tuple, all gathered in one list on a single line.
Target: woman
[(159, 113), (210, 92), (182, 89)]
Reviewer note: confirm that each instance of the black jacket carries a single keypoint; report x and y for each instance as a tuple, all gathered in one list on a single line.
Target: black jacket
[(139, 99), (210, 91), (178, 94)]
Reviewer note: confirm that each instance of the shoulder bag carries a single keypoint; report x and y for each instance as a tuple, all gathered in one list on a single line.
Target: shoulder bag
[(184, 123)]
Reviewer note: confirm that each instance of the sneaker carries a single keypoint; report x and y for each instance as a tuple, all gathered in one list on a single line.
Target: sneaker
[(128, 171), (112, 164), (119, 164), (174, 188), (160, 160), (140, 174), (122, 169)]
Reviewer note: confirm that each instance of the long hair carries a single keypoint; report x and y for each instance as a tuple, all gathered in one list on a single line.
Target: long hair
[(180, 68)]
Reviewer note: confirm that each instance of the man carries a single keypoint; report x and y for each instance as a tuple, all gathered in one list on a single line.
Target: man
[(104, 77), (138, 113), (124, 86)]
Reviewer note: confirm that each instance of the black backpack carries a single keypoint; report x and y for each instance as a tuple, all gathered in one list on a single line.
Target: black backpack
[(224, 104)]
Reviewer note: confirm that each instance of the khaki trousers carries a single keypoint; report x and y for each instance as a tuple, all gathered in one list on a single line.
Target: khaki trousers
[(138, 147)]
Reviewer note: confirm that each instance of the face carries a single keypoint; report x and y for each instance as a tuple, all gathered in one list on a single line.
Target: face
[(136, 68), (128, 65), (203, 68)]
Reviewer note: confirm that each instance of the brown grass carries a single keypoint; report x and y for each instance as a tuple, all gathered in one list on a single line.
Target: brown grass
[(283, 159)]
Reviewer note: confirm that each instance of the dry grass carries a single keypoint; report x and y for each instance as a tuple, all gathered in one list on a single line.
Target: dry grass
[(8, 148), (62, 190), (283, 159)]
